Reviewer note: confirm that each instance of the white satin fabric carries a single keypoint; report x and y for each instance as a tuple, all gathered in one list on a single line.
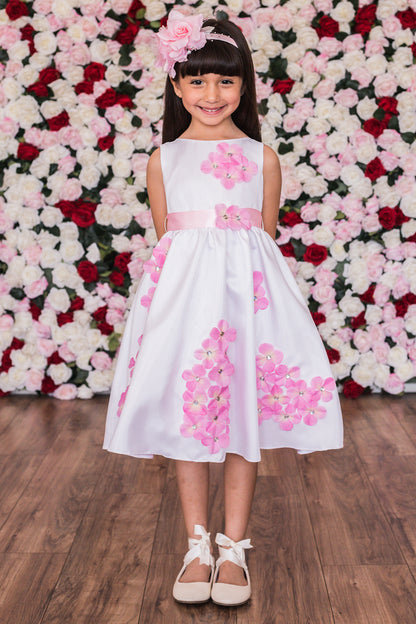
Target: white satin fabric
[(207, 279)]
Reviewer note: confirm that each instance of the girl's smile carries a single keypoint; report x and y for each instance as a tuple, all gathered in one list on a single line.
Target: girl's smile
[(210, 99)]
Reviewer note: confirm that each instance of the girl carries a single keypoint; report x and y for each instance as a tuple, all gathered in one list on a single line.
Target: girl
[(220, 356)]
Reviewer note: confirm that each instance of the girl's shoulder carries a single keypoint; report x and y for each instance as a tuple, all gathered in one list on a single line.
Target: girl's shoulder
[(270, 158)]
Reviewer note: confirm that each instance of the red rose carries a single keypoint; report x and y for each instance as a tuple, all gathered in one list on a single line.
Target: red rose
[(104, 143), (368, 295), (352, 390), (100, 313), (106, 99), (88, 271), (413, 49), (358, 321), (400, 217), (374, 127), (388, 104), (374, 169), (411, 239), (35, 311), (6, 361), (333, 355), (59, 121), (124, 100), (127, 35), (291, 219), (410, 298), (48, 385), (105, 328), (84, 87), (16, 9), (83, 213), (27, 151), (39, 89), (94, 72), (48, 75), (55, 358), (122, 260), (401, 306), (287, 250), (315, 254), (77, 304), (387, 218), (117, 278), (407, 18), (66, 207), (318, 318), (135, 6), (364, 19), (64, 317), (283, 86), (328, 27), (27, 35)]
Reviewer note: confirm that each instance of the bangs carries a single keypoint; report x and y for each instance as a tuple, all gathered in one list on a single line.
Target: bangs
[(216, 57)]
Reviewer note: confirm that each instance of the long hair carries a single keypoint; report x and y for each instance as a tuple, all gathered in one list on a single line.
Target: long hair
[(216, 57)]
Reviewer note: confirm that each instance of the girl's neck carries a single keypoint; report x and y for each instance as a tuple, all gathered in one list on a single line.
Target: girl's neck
[(198, 132)]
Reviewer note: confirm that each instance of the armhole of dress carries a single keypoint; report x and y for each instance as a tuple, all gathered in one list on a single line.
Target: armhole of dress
[(261, 155)]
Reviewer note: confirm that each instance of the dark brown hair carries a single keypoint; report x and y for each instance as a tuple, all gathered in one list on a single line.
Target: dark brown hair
[(216, 57)]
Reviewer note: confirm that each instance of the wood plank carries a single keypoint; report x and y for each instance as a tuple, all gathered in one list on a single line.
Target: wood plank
[(27, 581), (287, 579), (10, 407), (372, 594), (404, 408), (104, 577), (349, 524), (16, 472), (125, 474), (53, 503), (393, 479)]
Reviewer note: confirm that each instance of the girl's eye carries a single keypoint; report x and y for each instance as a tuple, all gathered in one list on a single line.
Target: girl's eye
[(196, 82), (227, 81)]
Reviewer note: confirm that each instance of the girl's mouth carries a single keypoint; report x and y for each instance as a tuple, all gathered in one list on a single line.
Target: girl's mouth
[(211, 111)]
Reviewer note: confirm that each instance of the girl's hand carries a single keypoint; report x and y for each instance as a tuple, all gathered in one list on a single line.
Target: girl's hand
[(272, 185), (156, 192)]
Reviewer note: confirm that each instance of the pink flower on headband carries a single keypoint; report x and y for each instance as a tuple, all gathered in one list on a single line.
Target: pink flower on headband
[(181, 35)]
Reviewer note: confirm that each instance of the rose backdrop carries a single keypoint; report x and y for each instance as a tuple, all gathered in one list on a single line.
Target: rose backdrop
[(81, 106)]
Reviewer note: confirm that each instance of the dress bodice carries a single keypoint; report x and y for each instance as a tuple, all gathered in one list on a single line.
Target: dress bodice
[(198, 175)]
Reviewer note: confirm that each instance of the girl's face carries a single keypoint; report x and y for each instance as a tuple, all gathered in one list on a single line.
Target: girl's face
[(210, 98)]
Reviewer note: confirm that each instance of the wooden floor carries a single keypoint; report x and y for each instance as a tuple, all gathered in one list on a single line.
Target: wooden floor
[(87, 537)]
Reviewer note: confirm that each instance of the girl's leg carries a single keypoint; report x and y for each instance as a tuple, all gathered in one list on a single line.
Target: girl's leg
[(239, 484), (193, 485)]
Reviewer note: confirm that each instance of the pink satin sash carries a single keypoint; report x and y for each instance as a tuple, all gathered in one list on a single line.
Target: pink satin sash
[(191, 219)]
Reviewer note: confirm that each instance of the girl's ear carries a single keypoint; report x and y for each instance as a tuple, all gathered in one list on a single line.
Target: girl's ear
[(176, 88)]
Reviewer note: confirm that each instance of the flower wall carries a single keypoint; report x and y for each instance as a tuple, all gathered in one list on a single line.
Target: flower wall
[(81, 107)]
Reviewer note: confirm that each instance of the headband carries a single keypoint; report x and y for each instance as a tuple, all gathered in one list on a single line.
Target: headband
[(181, 35)]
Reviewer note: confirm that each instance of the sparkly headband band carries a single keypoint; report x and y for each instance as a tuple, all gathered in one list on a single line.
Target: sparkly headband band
[(181, 35)]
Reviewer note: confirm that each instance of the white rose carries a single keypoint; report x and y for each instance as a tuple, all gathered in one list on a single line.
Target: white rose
[(354, 59), (235, 5), (322, 235), (326, 213), (93, 254), (366, 108), (12, 89), (87, 156), (50, 258), (387, 194), (39, 61), (121, 167), (397, 355), (407, 122), (124, 124), (293, 52), (99, 51), (376, 64), (20, 359), (367, 151), (76, 32), (31, 274), (408, 229), (318, 126), (403, 56), (405, 371), (260, 61), (45, 42), (308, 37), (363, 375), (58, 299), (150, 237), (340, 369), (336, 143), (405, 77), (410, 323), (100, 381), (123, 147), (16, 378), (391, 238), (60, 373), (373, 314), (154, 10), (120, 243), (19, 51), (349, 355), (24, 110), (83, 392), (66, 276), (71, 251), (351, 174), (351, 306), (335, 70), (72, 74), (155, 110), (343, 12), (103, 214), (39, 22), (22, 323), (114, 75), (323, 109), (260, 37), (120, 217), (381, 374), (69, 231), (337, 251), (315, 187), (408, 206), (89, 177)]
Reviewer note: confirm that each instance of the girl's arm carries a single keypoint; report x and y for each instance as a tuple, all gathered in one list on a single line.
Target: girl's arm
[(156, 192), (272, 184)]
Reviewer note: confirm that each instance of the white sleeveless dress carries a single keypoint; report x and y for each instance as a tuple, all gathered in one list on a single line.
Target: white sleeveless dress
[(220, 353)]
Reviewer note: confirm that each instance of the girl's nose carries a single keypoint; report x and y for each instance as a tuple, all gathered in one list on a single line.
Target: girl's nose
[(211, 93)]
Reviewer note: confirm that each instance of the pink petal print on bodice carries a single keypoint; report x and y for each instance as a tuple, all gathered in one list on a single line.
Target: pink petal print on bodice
[(229, 165)]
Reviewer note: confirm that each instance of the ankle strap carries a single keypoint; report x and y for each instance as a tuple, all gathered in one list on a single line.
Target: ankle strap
[(232, 551), (199, 547)]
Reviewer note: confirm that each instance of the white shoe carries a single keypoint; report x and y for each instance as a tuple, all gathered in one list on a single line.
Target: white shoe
[(227, 594), (200, 591)]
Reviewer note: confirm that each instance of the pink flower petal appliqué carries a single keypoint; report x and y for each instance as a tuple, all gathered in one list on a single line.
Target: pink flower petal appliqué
[(260, 300), (229, 165)]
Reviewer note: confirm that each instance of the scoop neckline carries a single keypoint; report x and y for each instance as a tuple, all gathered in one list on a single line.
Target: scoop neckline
[(212, 140)]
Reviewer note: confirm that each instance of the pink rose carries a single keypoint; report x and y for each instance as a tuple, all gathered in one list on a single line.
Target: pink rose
[(309, 212), (362, 76), (33, 380), (323, 276), (245, 24), (282, 19), (46, 347), (323, 5), (374, 46), (264, 16), (4, 286), (376, 334), (388, 138), (13, 68), (371, 223), (136, 268), (100, 126), (385, 85), (391, 25), (108, 27), (6, 223), (64, 41), (42, 331), (319, 157), (401, 287), (394, 327), (33, 254), (101, 360), (120, 6), (263, 89), (404, 185), (110, 196), (347, 98), (66, 392), (362, 341), (9, 127), (139, 163), (137, 242), (352, 43), (180, 35), (375, 265), (80, 54), (36, 288), (408, 250), (114, 113), (394, 384), (117, 302), (323, 293), (42, 6), (6, 322), (329, 46), (345, 334), (66, 353), (292, 123), (325, 88), (389, 160), (114, 316), (8, 36), (67, 164), (292, 188), (71, 190), (381, 352), (34, 200), (249, 6), (330, 169), (54, 22), (408, 164), (144, 219), (304, 108)]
